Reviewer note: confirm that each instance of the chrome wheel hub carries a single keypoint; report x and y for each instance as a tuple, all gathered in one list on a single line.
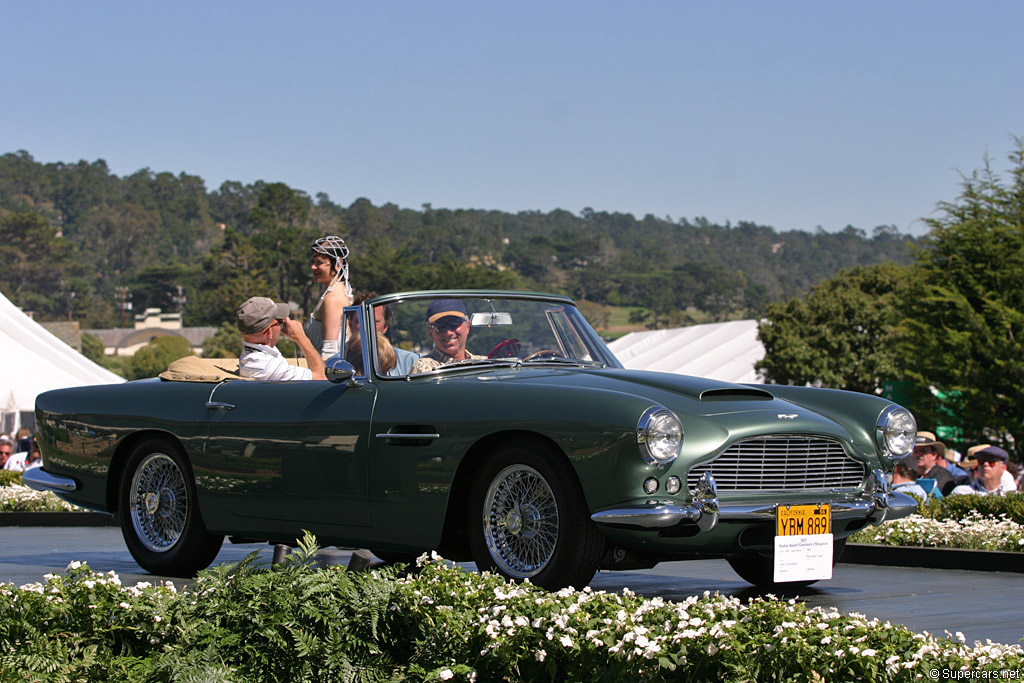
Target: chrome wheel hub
[(158, 502), (520, 521)]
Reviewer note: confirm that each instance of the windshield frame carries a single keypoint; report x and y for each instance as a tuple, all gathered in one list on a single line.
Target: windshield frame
[(573, 324)]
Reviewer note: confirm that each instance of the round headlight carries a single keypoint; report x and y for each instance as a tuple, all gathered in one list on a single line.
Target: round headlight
[(660, 435), (897, 428)]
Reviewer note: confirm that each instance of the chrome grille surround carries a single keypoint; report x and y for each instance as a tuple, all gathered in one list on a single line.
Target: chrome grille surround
[(782, 462)]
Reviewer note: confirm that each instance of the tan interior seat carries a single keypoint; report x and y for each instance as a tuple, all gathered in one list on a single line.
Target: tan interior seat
[(196, 369)]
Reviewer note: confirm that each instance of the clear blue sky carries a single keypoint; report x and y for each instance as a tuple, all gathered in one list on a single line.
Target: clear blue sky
[(789, 114)]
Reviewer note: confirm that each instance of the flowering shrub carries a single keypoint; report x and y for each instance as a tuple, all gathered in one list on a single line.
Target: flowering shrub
[(18, 498), (974, 532), (246, 623)]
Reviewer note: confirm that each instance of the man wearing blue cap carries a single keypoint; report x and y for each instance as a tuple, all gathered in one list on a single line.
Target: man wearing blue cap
[(991, 465), (448, 327)]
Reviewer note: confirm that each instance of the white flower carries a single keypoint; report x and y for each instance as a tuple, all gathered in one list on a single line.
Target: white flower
[(869, 652), (539, 655), (566, 641), (445, 674)]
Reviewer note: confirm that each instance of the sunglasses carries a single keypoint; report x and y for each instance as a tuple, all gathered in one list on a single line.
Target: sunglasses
[(988, 461), (449, 326)]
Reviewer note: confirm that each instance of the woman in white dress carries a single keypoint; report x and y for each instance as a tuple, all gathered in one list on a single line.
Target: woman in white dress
[(329, 260)]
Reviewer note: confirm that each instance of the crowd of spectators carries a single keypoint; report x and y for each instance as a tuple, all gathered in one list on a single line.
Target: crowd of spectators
[(934, 470)]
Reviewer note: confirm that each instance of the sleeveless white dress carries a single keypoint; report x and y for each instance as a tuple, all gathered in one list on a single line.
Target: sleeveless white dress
[(315, 332)]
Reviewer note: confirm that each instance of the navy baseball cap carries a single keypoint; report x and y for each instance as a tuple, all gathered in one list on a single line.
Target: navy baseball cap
[(993, 452), (443, 308)]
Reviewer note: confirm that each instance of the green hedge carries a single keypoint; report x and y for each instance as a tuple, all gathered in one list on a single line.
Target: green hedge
[(7, 477), (958, 507)]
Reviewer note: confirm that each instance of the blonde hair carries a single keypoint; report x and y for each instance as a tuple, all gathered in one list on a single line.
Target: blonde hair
[(386, 356)]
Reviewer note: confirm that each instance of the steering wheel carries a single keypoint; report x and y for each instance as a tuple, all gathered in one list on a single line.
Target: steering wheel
[(544, 353), (506, 349)]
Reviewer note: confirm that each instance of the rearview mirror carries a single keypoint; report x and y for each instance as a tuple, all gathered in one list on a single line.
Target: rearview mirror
[(490, 319)]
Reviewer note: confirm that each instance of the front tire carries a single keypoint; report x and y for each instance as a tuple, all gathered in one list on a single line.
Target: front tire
[(159, 515), (758, 568), (528, 519)]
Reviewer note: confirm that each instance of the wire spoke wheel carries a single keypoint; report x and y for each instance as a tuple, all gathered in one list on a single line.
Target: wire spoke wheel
[(159, 502), (159, 511), (520, 521)]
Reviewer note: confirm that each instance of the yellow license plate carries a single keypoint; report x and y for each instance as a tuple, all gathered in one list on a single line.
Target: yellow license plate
[(797, 520)]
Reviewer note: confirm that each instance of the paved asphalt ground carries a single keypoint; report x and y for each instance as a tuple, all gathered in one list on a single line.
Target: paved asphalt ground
[(981, 605)]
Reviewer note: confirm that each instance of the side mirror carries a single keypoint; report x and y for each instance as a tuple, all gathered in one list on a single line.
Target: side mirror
[(340, 370)]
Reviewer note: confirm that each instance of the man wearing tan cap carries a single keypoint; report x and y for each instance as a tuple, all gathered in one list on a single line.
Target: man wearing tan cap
[(262, 322), (928, 451)]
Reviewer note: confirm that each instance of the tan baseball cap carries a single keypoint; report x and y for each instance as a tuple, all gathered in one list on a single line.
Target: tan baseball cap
[(257, 313)]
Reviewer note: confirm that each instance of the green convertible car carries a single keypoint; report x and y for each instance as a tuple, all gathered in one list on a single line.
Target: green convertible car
[(490, 426)]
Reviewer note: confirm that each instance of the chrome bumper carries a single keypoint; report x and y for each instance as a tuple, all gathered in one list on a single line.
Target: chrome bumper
[(41, 480), (876, 504)]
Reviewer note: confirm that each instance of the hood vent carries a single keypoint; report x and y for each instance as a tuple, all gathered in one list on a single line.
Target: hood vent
[(736, 393)]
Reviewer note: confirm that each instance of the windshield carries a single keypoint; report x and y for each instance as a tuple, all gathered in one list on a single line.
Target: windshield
[(443, 333)]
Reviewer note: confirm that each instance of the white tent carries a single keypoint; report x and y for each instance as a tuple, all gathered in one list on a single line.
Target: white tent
[(724, 351), (34, 361)]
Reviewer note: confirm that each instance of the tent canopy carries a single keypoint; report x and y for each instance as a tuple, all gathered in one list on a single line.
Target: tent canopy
[(32, 360), (723, 351)]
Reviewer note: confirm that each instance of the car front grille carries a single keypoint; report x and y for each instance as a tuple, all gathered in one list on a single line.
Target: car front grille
[(781, 463)]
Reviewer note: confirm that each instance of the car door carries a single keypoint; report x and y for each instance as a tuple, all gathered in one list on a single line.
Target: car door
[(291, 455)]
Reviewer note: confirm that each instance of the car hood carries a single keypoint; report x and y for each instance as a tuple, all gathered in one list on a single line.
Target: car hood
[(737, 410)]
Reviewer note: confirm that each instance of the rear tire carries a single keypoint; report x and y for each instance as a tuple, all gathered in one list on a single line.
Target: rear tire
[(159, 514), (528, 519), (758, 568)]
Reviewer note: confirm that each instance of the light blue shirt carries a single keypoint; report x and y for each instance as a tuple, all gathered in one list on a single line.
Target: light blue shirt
[(910, 487), (404, 360)]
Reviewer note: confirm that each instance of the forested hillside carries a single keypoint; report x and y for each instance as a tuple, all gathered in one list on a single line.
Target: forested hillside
[(75, 238)]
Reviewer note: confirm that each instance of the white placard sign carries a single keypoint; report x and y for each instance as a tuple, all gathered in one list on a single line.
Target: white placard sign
[(803, 558)]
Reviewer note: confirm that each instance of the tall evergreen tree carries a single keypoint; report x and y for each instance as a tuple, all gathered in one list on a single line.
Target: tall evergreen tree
[(965, 332)]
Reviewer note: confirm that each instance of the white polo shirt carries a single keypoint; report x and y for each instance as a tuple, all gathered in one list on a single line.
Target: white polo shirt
[(266, 362), (16, 463)]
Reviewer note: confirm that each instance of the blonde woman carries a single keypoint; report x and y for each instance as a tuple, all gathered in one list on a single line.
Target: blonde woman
[(329, 261)]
